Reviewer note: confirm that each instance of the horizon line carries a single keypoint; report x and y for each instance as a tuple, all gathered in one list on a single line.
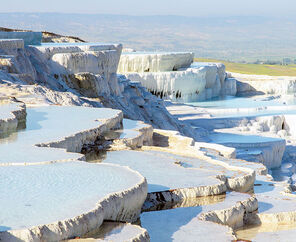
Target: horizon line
[(152, 15)]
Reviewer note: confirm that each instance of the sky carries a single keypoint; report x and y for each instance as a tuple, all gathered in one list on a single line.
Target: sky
[(156, 7)]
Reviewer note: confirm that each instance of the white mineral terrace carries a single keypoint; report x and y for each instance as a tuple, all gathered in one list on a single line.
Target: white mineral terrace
[(48, 126), (199, 81), (171, 84), (265, 84), (154, 61), (258, 127), (218, 68), (276, 199), (57, 200), (133, 135), (96, 58), (243, 142), (44, 194), (189, 223), (50, 49), (11, 114), (165, 171), (7, 109), (269, 149), (131, 130)]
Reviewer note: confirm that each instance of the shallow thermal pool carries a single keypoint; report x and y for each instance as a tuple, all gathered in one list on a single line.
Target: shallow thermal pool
[(129, 130), (165, 171), (182, 224), (268, 232), (230, 106), (48, 124), (113, 231), (43, 194), (37, 194), (224, 138)]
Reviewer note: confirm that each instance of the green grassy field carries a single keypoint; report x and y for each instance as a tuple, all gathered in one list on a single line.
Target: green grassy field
[(256, 69)]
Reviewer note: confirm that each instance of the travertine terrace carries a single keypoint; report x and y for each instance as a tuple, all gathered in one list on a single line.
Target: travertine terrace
[(145, 167)]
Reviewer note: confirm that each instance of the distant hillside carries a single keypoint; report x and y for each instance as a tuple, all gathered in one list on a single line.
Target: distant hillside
[(256, 69), (233, 38), (47, 36)]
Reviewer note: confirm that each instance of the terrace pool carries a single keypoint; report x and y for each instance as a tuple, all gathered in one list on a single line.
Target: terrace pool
[(49, 124), (230, 106)]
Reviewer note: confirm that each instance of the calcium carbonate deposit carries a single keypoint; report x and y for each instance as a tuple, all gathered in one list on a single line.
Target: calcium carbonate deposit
[(96, 144)]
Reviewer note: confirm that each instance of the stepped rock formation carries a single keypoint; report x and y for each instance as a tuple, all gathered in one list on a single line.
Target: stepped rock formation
[(81, 74), (96, 153), (174, 76)]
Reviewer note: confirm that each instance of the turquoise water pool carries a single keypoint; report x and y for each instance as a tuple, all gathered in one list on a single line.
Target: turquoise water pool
[(49, 124), (246, 102), (230, 106)]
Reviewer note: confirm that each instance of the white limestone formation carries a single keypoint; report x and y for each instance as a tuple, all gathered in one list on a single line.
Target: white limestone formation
[(199, 82), (84, 74), (234, 216), (64, 60), (88, 61), (30, 167), (177, 81), (179, 85), (11, 114), (188, 223), (219, 69), (276, 198), (49, 219), (182, 159), (242, 130), (15, 61), (154, 62), (242, 179), (265, 84), (268, 151), (48, 50), (230, 87), (152, 163), (55, 70), (60, 81), (55, 231), (33, 145), (134, 134)]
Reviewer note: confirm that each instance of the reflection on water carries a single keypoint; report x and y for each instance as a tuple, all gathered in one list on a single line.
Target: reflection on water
[(112, 231), (250, 232), (182, 223), (49, 124), (192, 208), (96, 156), (9, 137), (189, 202), (107, 228)]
